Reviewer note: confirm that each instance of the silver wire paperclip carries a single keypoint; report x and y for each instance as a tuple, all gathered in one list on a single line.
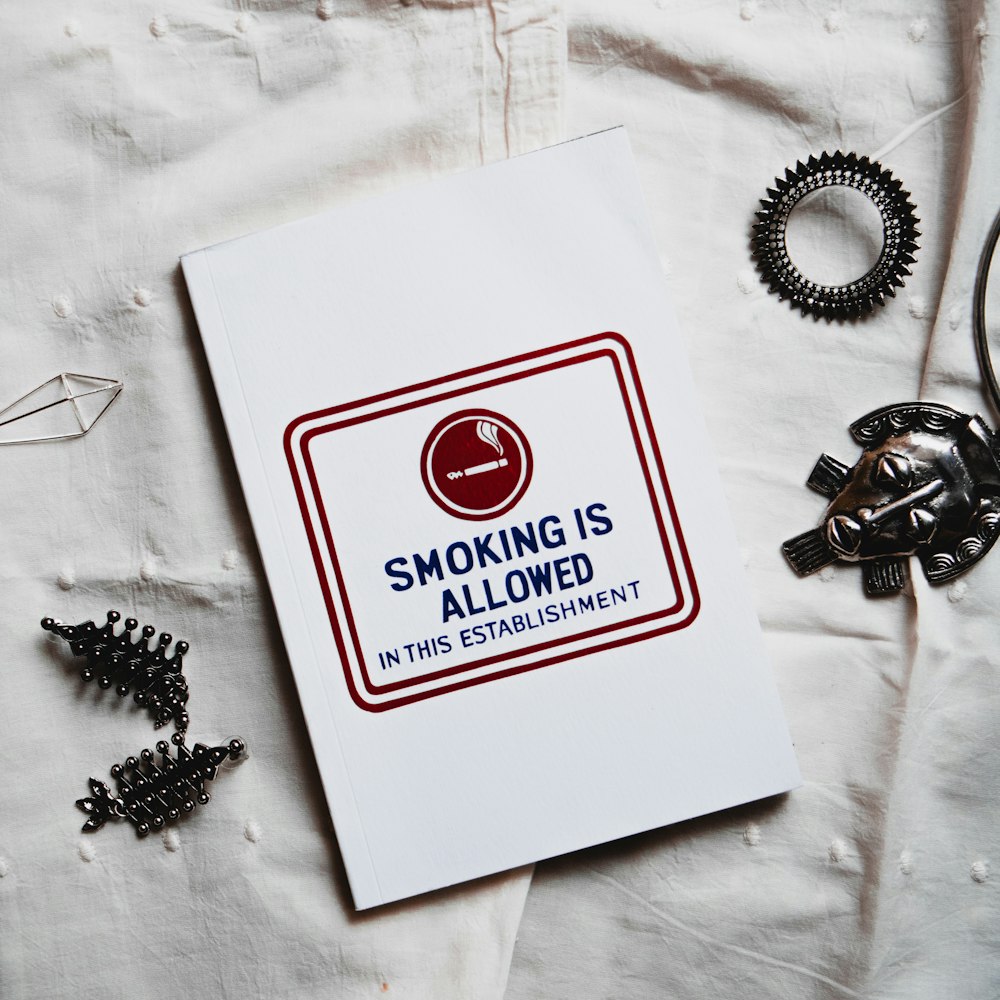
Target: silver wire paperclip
[(65, 407)]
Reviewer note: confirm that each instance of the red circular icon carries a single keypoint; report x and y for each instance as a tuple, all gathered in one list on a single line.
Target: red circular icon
[(476, 464)]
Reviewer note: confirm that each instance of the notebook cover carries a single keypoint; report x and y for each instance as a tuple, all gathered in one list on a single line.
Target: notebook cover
[(490, 519)]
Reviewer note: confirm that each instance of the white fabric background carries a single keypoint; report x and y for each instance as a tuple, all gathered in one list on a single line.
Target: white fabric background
[(129, 135)]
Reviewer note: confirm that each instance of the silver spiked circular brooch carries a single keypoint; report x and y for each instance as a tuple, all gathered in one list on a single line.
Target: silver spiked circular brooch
[(899, 236)]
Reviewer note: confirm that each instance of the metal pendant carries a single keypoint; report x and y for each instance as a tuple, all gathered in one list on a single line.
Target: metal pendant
[(151, 794), (125, 664), (927, 484)]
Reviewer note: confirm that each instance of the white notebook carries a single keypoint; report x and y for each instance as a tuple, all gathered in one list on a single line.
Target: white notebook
[(490, 519)]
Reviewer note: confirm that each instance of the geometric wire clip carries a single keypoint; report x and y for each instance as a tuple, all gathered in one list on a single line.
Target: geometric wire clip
[(65, 407), (151, 794), (118, 661), (899, 236)]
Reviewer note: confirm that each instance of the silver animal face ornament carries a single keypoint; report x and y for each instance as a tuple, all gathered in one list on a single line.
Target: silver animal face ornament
[(927, 484)]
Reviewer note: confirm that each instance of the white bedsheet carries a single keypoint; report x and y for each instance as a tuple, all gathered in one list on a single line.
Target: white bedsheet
[(130, 135)]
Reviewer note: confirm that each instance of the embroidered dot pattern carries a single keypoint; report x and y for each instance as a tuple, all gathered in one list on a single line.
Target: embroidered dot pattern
[(66, 579), (72, 29), (917, 306), (826, 574), (957, 591), (837, 850), (906, 863), (834, 21), (147, 569), (918, 29), (954, 317), (748, 9), (980, 871), (747, 280), (142, 297), (159, 26), (981, 29), (324, 10), (252, 831), (751, 835), (4, 867), (62, 306), (230, 559), (171, 840), (243, 23), (87, 851)]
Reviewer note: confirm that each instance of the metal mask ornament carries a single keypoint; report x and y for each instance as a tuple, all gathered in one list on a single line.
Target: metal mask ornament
[(927, 484)]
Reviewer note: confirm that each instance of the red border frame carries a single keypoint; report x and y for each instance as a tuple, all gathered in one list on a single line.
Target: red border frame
[(486, 661), (379, 689)]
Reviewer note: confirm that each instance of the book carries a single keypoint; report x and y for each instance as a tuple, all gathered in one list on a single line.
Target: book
[(490, 519)]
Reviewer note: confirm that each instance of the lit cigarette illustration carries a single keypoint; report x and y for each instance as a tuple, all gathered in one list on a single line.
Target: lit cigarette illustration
[(487, 432)]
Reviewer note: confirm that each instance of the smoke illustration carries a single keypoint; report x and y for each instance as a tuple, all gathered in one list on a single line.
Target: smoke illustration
[(487, 432)]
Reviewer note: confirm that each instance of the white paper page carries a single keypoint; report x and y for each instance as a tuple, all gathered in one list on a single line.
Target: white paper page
[(476, 391)]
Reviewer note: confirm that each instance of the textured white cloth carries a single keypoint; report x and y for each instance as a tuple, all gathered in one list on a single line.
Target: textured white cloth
[(867, 882), (128, 137)]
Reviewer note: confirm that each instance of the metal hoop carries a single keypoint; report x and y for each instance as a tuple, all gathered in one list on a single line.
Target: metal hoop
[(979, 314), (899, 233)]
